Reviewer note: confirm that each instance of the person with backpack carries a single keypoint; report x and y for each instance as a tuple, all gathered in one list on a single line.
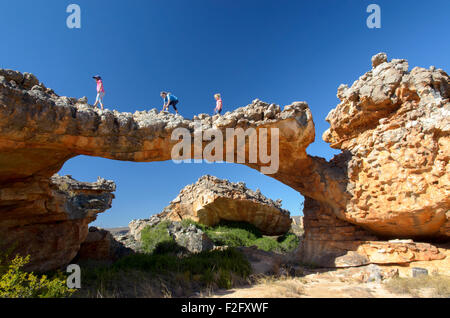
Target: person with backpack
[(100, 91), (169, 100)]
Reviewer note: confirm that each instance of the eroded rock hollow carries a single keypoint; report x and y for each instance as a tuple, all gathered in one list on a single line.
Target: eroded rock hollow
[(391, 180)]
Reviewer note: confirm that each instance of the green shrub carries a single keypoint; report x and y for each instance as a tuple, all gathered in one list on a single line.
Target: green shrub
[(241, 225), (230, 237), (153, 236), (267, 244), (187, 222), (14, 283), (167, 247), (157, 240), (235, 234), (288, 242), (224, 280)]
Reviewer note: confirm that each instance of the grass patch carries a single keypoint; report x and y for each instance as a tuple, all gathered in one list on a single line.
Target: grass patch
[(235, 234), (156, 238), (438, 285), (161, 275)]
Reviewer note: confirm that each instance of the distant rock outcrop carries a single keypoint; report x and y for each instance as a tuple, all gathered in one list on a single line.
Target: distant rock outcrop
[(211, 200)]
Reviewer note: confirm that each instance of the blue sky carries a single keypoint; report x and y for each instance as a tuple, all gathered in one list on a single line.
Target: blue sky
[(278, 51)]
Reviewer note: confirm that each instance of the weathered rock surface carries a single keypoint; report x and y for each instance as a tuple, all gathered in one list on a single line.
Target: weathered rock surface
[(191, 238), (136, 226), (211, 200), (48, 219), (262, 262), (393, 127), (391, 180), (128, 241), (395, 124), (101, 245)]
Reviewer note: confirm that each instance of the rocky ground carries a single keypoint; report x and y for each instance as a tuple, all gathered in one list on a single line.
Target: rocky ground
[(311, 286), (282, 275), (360, 282)]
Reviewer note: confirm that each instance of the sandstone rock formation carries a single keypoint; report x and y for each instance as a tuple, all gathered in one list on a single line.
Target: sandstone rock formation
[(211, 200), (393, 127), (48, 218), (391, 180), (101, 245)]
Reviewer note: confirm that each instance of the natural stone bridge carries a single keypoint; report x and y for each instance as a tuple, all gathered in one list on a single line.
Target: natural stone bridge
[(391, 180)]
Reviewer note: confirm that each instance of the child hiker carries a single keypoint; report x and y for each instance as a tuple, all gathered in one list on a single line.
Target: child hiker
[(169, 100), (218, 108), (100, 91)]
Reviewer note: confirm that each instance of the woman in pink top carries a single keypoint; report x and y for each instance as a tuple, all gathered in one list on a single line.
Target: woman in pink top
[(218, 108), (100, 91)]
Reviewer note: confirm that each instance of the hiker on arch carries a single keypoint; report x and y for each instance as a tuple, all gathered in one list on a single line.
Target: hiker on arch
[(100, 91), (169, 100)]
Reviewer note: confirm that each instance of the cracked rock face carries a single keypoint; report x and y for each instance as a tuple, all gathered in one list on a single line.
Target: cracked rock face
[(394, 124), (101, 245), (393, 127), (211, 200), (48, 218)]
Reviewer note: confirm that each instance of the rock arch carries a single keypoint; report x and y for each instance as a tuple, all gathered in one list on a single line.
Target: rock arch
[(390, 181)]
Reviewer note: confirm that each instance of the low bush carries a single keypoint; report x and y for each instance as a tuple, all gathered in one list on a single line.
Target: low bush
[(152, 237), (15, 283), (289, 242)]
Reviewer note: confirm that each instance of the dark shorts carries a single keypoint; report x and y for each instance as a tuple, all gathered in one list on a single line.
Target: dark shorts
[(174, 104)]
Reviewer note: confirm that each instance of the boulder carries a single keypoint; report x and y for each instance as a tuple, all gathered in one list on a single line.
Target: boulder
[(48, 219), (101, 245), (211, 200), (191, 238)]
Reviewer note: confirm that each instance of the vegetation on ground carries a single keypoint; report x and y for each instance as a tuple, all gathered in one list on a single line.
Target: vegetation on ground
[(434, 285), (16, 283), (156, 239), (160, 271), (166, 274), (235, 234)]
